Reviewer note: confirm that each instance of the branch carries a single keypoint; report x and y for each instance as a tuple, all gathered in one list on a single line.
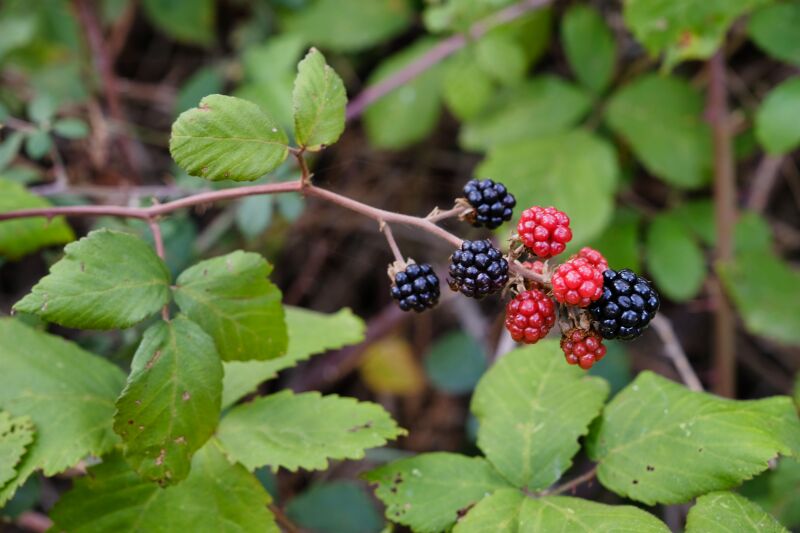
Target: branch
[(672, 347), (573, 484), (387, 231), (441, 51)]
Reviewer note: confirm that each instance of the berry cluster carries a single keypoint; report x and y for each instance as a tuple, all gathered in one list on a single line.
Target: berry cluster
[(591, 301)]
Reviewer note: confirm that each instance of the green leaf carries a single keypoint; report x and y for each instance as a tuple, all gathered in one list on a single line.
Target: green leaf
[(25, 235), (502, 57), (764, 287), (575, 171), (722, 512), (71, 128), (187, 21), (335, 507), (752, 234), (319, 101), (42, 108), (658, 442), (775, 129), (227, 138), (774, 29), (466, 88), (532, 408), (204, 81), (38, 144), (778, 491), (303, 430), (349, 25), (254, 215), (679, 149), (107, 280), (410, 112), (217, 496), (9, 148), (674, 258), (15, 436), (233, 301), (698, 217), (684, 29), (511, 511), (67, 393), (428, 491), (539, 107), (589, 46), (455, 363), (171, 404), (620, 240), (309, 333)]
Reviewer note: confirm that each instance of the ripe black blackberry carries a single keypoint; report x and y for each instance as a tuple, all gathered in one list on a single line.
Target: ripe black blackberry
[(627, 306), (477, 269), (416, 288), (493, 204)]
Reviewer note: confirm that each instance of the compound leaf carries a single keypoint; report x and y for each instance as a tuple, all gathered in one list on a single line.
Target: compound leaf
[(722, 512), (319, 102)]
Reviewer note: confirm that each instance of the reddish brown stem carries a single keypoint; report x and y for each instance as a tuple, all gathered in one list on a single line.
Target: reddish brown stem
[(574, 483)]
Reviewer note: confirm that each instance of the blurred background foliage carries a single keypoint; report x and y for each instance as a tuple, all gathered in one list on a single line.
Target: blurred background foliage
[(593, 107)]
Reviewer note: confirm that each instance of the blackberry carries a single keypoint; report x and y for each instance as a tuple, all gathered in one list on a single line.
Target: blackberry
[(492, 202), (416, 288), (478, 269), (628, 304)]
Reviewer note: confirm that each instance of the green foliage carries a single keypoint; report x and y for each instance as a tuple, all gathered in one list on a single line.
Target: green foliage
[(679, 149), (455, 362), (720, 512), (23, 236), (778, 491), (227, 138), (204, 81), (217, 496), (776, 130), (189, 21), (620, 240), (576, 171), (658, 442), (532, 409), (427, 492), (108, 279), (511, 511), (231, 298), (774, 30), (674, 258), (171, 404), (590, 47), (303, 430), (15, 436), (67, 393), (319, 103), (466, 88), (335, 507)]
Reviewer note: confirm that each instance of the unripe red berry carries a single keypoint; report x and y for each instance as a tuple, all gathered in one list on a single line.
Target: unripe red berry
[(594, 257), (529, 316), (577, 282), (544, 230), (582, 347)]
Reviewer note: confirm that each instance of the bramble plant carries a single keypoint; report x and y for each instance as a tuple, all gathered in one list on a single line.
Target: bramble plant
[(182, 441)]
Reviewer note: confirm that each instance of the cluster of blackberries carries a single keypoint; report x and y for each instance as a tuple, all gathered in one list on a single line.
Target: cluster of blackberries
[(492, 203), (627, 305), (478, 269), (416, 288)]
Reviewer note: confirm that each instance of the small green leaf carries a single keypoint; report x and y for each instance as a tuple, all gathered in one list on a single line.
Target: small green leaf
[(254, 214), (428, 491), (318, 100), (217, 496), (620, 241), (233, 301), (67, 393), (171, 404), (466, 88), (532, 408), (778, 490), (674, 258), (511, 511), (25, 235), (227, 138), (309, 333), (502, 57), (762, 286), (409, 113), (9, 148), (15, 436), (42, 108), (698, 217), (776, 130), (71, 128), (349, 25), (774, 29), (204, 81), (590, 46), (337, 507), (107, 280), (455, 363), (187, 21), (303, 430), (575, 171), (722, 512), (38, 144), (679, 149), (658, 442), (539, 107)]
